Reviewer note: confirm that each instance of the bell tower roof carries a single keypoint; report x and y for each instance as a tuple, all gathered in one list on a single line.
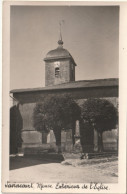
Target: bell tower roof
[(59, 52), (59, 65)]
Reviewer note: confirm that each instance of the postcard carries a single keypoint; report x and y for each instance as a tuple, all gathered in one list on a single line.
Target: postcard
[(64, 97)]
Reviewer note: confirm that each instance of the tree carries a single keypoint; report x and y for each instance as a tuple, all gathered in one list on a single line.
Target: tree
[(56, 113), (16, 125), (102, 116)]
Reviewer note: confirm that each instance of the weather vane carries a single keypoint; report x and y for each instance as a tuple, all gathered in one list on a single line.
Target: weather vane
[(60, 24)]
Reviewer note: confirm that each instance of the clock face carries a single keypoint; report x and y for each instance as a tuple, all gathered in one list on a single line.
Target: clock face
[(57, 64)]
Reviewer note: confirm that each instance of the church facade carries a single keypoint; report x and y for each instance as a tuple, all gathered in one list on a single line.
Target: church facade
[(60, 79)]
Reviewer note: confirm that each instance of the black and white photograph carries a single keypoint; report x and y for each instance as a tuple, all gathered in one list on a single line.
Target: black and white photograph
[(64, 108)]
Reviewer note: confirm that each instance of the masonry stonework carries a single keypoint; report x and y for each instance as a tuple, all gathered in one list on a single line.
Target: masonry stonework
[(66, 72)]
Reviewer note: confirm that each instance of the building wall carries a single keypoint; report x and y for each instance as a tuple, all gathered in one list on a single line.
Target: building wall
[(32, 138), (64, 73), (26, 111), (76, 93)]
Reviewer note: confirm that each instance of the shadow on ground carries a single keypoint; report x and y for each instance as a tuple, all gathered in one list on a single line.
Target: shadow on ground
[(17, 162)]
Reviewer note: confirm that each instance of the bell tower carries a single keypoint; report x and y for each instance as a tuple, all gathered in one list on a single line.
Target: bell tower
[(59, 65)]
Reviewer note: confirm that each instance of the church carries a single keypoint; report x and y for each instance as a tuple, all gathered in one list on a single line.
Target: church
[(60, 70)]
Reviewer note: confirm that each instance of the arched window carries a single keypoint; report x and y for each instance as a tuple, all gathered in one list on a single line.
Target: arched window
[(57, 71)]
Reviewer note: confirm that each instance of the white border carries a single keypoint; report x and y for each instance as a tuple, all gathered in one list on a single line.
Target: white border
[(114, 188)]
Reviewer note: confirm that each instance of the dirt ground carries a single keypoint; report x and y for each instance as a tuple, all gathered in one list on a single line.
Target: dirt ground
[(40, 170)]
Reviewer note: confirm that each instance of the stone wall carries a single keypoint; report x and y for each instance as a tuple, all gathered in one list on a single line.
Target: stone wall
[(26, 111), (32, 138), (64, 73)]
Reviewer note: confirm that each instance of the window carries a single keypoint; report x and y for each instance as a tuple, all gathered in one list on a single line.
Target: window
[(57, 71)]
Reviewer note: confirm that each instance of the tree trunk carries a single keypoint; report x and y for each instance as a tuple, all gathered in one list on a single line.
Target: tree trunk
[(57, 133), (100, 142), (95, 140), (44, 137)]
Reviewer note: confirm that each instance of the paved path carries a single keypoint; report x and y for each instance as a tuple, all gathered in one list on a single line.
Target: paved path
[(38, 170)]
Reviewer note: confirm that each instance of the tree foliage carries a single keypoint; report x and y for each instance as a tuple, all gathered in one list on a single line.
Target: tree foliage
[(101, 113), (56, 113)]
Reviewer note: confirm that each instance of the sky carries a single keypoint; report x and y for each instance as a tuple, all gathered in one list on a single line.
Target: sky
[(90, 34)]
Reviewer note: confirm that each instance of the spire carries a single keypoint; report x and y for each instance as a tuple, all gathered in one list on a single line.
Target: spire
[(60, 42)]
